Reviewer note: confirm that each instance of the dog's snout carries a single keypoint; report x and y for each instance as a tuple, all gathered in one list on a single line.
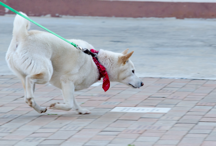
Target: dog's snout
[(142, 84)]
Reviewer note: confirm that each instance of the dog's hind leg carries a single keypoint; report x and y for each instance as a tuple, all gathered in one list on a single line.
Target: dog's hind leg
[(24, 86), (40, 78)]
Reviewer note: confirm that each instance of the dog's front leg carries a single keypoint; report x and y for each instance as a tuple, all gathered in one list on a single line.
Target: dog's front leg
[(68, 88), (70, 102), (79, 109)]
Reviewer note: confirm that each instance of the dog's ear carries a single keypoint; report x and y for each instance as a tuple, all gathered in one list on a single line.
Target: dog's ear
[(125, 51), (123, 59)]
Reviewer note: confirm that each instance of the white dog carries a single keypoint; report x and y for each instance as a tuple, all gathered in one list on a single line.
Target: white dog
[(38, 57)]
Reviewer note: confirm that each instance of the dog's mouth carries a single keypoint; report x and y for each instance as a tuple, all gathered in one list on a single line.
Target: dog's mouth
[(132, 85)]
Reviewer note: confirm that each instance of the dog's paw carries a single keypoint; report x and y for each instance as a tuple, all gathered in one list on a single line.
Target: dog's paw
[(43, 110), (83, 111), (53, 105)]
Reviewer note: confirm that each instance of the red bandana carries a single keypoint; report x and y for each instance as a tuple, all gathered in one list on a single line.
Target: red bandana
[(102, 72)]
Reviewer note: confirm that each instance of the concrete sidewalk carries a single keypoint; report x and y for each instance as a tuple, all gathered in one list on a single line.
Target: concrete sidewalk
[(190, 122)]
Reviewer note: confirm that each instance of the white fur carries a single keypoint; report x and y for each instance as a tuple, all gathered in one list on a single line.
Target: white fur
[(38, 57)]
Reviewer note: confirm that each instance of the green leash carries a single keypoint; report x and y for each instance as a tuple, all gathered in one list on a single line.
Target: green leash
[(15, 11)]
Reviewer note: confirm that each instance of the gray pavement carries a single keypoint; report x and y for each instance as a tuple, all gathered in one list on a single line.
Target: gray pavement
[(167, 47)]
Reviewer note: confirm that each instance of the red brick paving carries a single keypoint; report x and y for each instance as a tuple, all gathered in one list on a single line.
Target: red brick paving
[(191, 120)]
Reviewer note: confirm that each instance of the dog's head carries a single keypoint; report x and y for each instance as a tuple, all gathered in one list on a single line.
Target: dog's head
[(127, 73), (120, 68)]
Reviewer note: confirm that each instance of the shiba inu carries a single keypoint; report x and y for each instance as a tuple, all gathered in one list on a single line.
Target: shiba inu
[(38, 57)]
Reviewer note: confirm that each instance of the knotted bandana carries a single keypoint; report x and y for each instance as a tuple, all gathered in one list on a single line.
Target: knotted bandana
[(102, 72)]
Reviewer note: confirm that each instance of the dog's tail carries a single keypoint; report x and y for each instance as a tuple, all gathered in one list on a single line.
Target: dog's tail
[(21, 26)]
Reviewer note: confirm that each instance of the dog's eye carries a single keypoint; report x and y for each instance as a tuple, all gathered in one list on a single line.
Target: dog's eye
[(133, 71)]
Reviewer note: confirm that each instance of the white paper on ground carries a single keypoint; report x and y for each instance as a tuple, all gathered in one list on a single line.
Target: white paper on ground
[(140, 110)]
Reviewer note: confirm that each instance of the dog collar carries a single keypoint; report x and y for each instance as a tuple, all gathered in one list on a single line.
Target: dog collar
[(102, 72)]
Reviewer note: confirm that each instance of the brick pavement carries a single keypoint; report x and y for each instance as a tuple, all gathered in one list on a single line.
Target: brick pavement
[(190, 122)]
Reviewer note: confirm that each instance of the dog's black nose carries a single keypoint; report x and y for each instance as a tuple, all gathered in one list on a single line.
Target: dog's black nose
[(142, 84)]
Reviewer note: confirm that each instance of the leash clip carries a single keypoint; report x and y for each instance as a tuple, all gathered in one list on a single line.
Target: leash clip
[(87, 51), (79, 48)]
